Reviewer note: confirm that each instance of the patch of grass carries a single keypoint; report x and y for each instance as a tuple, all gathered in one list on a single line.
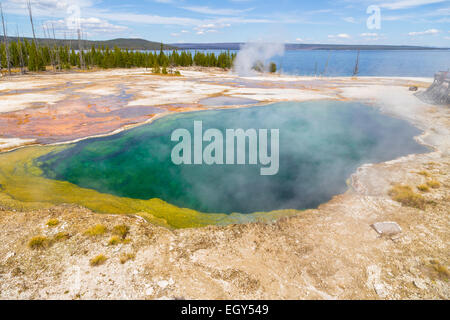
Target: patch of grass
[(98, 260), (115, 240), (39, 242), (424, 173), (441, 270), (407, 197), (97, 230), (434, 184), (52, 222), (423, 188), (121, 230), (125, 257), (61, 236)]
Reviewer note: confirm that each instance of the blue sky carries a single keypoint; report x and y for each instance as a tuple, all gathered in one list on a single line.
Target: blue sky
[(403, 22)]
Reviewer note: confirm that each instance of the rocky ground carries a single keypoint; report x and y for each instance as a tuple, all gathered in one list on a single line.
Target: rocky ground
[(332, 252)]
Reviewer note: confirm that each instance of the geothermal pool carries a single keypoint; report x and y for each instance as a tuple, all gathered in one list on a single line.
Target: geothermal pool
[(226, 101), (321, 145)]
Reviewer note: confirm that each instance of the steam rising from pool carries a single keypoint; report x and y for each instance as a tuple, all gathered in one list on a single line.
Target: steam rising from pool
[(254, 52)]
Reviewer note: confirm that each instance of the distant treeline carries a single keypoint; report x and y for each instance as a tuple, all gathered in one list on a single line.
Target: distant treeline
[(32, 56)]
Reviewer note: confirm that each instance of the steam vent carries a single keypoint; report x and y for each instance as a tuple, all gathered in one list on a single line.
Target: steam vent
[(439, 91)]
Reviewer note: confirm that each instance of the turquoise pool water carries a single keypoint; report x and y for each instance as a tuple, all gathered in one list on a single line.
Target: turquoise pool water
[(321, 145)]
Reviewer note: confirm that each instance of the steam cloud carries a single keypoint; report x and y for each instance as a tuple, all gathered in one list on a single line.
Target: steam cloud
[(254, 52)]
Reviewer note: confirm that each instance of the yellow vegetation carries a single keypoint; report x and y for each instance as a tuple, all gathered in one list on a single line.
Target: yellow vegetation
[(98, 260), (39, 242), (407, 197), (124, 257), (434, 184), (115, 240), (97, 230), (121, 231), (424, 173), (61, 236), (441, 270), (52, 222), (423, 188)]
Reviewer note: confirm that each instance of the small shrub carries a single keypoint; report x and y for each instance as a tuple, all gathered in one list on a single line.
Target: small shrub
[(424, 173), (98, 260), (423, 188), (434, 184), (96, 230), (125, 257), (115, 240), (61, 236), (52, 222), (407, 197), (273, 67), (39, 242), (441, 270), (121, 230)]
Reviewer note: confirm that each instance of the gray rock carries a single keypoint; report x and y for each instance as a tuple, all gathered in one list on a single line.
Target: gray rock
[(419, 283), (387, 228)]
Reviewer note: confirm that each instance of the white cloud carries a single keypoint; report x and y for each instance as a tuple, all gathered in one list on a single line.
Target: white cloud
[(90, 26), (405, 4), (210, 27), (369, 34), (339, 36), (349, 19), (426, 32), (214, 11)]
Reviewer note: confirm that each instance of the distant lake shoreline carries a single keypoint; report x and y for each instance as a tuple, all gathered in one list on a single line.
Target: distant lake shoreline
[(376, 63)]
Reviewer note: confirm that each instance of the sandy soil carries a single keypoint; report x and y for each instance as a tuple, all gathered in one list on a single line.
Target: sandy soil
[(328, 253)]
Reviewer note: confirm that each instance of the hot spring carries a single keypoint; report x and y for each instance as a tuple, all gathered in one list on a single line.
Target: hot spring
[(320, 145)]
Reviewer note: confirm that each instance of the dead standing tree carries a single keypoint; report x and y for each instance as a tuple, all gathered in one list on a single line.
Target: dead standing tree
[(20, 48), (80, 48), (50, 51), (30, 13), (325, 70), (57, 57), (5, 39), (356, 70)]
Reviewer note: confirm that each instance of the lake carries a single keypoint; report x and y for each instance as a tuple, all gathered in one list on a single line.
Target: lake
[(395, 63)]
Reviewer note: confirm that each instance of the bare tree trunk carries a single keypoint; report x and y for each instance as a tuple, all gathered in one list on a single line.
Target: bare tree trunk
[(326, 65), (5, 37), (58, 59), (356, 70), (80, 49), (31, 20), (30, 13), (22, 61), (47, 36)]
